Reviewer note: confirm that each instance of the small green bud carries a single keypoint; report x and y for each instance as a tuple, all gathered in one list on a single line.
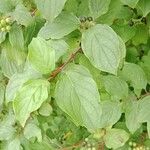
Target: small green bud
[(89, 145), (7, 20), (83, 19), (8, 28), (86, 139), (90, 19), (141, 148), (130, 143), (134, 144), (3, 29), (3, 22)]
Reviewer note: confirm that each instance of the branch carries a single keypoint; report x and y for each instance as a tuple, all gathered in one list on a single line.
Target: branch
[(60, 68), (76, 145), (33, 12), (146, 94)]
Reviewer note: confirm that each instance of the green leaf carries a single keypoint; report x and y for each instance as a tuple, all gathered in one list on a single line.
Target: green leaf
[(148, 129), (2, 37), (98, 7), (131, 3), (131, 115), (46, 109), (132, 54), (41, 55), (7, 130), (124, 31), (115, 138), (5, 6), (96, 74), (81, 98), (62, 26), (32, 130), (60, 47), (11, 61), (83, 8), (122, 48), (22, 15), (2, 94), (144, 113), (101, 46), (144, 5), (50, 9), (16, 38), (111, 113), (145, 66), (33, 29), (121, 88), (111, 15), (141, 35), (13, 144), (16, 82), (29, 98), (72, 6), (135, 76)]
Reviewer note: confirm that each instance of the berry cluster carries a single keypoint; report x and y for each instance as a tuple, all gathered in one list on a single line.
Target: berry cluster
[(135, 146), (86, 22), (88, 145), (5, 24)]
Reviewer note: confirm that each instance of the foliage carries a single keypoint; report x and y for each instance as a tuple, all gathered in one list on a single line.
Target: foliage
[(74, 74)]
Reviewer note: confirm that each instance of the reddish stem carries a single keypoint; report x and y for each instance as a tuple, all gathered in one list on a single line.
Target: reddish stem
[(60, 68)]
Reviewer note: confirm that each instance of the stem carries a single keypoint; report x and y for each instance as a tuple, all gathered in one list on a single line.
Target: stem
[(76, 145), (33, 12), (60, 68)]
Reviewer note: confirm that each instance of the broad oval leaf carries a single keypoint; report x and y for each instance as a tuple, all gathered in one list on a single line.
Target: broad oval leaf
[(60, 47), (2, 37), (46, 109), (62, 26), (32, 130), (144, 5), (148, 129), (141, 36), (114, 9), (7, 131), (29, 98), (16, 82), (135, 76), (5, 6), (77, 95), (16, 38), (2, 94), (144, 113), (22, 15), (101, 45), (111, 113), (98, 7), (115, 86), (145, 65), (41, 55), (11, 61), (131, 115), (50, 9), (115, 138), (131, 3), (13, 144)]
